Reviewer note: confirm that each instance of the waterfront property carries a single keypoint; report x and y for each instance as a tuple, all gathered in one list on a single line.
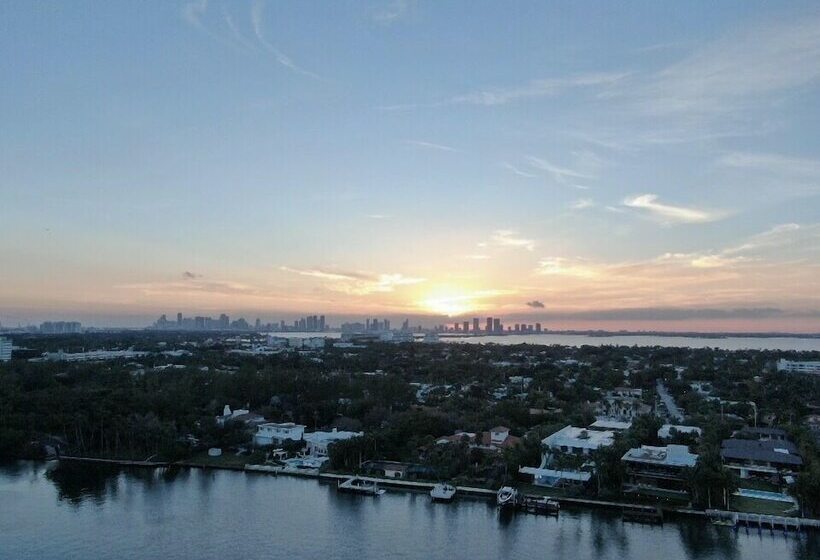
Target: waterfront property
[(768, 459), (319, 442), (578, 441), (658, 471), (495, 439), (271, 433)]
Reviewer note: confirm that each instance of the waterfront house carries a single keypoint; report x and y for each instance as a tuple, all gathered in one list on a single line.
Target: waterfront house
[(661, 472), (319, 442), (578, 441), (271, 433), (496, 439), (397, 469), (769, 459)]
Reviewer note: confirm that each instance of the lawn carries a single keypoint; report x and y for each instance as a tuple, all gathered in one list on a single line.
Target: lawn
[(764, 507)]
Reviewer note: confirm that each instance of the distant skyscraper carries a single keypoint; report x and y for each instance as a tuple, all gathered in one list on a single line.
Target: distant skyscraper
[(537, 327), (497, 325), (179, 319), (5, 349), (475, 325), (489, 327), (466, 326), (322, 323)]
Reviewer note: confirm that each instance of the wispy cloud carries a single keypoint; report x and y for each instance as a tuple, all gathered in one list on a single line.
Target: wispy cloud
[(518, 171), (390, 12), (379, 216), (535, 304), (668, 213), (559, 266), (432, 146), (773, 163), (740, 68), (257, 12), (561, 174), (582, 204), (536, 88), (355, 283), (510, 238)]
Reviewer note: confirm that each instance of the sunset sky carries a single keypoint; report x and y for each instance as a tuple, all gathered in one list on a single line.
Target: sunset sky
[(642, 165)]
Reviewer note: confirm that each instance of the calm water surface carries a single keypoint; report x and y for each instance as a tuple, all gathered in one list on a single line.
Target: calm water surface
[(724, 343), (85, 513)]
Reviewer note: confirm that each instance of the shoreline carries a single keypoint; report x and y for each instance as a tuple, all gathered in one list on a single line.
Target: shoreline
[(469, 491)]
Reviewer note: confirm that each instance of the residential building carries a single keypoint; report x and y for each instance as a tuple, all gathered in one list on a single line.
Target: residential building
[(661, 472), (623, 403), (770, 459), (319, 442), (762, 434), (611, 425), (496, 439), (5, 349), (578, 441), (273, 433), (789, 366)]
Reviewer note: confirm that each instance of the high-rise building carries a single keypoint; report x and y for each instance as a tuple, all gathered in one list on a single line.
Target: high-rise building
[(489, 327), (5, 349), (179, 319), (497, 328), (538, 327), (466, 325), (475, 325), (322, 323)]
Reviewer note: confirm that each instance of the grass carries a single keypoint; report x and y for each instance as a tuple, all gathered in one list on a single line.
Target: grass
[(227, 459), (763, 507)]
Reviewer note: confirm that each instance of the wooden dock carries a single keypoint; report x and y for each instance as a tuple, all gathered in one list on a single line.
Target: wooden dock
[(540, 505)]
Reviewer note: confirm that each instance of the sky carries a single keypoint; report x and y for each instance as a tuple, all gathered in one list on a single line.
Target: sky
[(640, 165)]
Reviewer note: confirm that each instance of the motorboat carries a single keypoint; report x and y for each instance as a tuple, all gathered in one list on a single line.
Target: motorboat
[(443, 492), (507, 496)]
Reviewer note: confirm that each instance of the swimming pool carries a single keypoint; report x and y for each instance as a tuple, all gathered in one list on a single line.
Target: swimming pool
[(762, 495)]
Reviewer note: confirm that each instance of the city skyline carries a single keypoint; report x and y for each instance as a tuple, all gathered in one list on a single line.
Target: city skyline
[(650, 167)]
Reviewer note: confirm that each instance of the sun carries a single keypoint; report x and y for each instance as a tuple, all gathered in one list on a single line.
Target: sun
[(450, 303)]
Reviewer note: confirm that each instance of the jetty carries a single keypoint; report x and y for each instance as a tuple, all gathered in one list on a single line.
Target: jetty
[(642, 514)]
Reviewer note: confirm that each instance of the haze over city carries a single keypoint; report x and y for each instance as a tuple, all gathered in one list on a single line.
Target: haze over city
[(640, 166)]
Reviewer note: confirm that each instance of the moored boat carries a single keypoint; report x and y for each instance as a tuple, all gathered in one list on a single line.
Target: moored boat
[(443, 492), (507, 496)]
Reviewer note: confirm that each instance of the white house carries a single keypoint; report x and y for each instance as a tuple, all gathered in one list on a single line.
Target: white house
[(271, 433), (790, 366), (318, 442), (578, 441)]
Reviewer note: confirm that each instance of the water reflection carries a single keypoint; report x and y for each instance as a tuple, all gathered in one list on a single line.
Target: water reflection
[(173, 513), (77, 482)]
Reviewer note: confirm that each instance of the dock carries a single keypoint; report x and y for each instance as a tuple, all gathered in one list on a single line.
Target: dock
[(760, 522), (539, 505)]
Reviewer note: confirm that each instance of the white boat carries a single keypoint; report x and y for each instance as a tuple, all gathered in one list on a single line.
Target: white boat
[(507, 496), (356, 485), (443, 492)]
